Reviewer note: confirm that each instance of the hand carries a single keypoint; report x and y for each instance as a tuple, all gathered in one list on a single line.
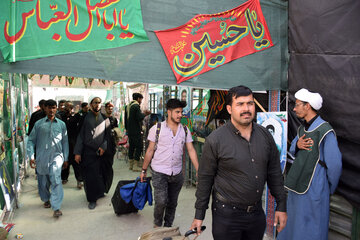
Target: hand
[(101, 151), (65, 165), (147, 112), (197, 224), (32, 163), (280, 220), (77, 158), (142, 177), (305, 143)]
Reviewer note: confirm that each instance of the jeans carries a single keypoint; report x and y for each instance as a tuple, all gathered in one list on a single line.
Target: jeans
[(166, 193), (232, 223)]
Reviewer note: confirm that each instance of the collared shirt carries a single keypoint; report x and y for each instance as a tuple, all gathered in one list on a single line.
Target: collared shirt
[(237, 169), (167, 158), (51, 141), (308, 124)]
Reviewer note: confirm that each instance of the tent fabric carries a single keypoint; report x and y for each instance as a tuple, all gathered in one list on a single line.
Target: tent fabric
[(146, 62), (325, 58)]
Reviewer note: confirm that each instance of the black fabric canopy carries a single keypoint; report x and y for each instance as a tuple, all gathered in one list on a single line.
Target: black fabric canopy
[(325, 58)]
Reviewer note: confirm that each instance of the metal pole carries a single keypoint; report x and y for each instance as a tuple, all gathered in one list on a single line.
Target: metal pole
[(274, 106), (13, 135), (23, 125)]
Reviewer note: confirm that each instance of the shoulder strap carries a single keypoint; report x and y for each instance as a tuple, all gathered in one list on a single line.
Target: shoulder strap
[(186, 131), (158, 127)]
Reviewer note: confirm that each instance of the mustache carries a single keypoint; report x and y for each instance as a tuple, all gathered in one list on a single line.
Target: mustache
[(242, 114)]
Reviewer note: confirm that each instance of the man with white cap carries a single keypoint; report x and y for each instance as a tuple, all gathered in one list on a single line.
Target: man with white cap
[(315, 173)]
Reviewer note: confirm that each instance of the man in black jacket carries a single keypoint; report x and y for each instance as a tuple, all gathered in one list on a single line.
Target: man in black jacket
[(39, 114), (237, 160), (133, 125)]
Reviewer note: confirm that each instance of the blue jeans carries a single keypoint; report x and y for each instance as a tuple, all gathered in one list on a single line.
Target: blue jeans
[(166, 193), (232, 223)]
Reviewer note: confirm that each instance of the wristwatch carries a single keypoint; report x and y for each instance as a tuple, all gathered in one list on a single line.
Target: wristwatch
[(143, 171)]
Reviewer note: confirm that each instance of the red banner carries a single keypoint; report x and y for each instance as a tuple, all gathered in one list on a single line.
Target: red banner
[(208, 41)]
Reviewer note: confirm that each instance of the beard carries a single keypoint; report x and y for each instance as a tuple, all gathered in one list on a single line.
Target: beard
[(176, 120)]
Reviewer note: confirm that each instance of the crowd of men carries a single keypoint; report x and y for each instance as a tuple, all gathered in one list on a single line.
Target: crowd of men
[(237, 159), (58, 139)]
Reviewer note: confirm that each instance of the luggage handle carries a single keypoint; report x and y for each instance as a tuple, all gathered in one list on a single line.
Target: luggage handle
[(192, 231)]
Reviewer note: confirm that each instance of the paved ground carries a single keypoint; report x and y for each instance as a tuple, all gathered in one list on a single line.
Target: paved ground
[(78, 222)]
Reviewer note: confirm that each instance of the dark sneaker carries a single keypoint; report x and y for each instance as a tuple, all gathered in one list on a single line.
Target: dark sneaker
[(47, 204), (92, 205), (57, 213)]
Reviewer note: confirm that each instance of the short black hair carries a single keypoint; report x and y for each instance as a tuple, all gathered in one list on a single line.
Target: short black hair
[(50, 103), (61, 101), (84, 104), (239, 91), (42, 102), (136, 96), (175, 103)]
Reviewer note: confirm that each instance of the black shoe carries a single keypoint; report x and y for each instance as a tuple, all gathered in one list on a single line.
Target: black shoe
[(92, 205)]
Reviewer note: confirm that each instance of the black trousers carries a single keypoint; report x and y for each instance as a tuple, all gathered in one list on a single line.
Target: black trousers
[(135, 147), (77, 169), (107, 171), (92, 174), (232, 223)]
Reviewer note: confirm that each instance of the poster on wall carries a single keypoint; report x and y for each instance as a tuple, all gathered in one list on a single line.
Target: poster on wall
[(185, 95), (1, 112), (276, 124), (5, 183), (160, 106)]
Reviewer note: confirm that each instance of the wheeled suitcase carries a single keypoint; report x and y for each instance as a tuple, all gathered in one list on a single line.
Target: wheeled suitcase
[(119, 205)]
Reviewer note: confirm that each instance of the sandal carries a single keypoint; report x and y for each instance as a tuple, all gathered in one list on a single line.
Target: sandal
[(47, 204)]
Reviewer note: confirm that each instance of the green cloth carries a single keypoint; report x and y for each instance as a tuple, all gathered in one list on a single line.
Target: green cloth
[(302, 170)]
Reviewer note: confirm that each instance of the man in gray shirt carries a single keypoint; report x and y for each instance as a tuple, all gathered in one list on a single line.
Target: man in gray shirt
[(90, 146), (237, 160)]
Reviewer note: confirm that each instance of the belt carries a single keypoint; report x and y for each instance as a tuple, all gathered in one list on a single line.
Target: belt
[(248, 208)]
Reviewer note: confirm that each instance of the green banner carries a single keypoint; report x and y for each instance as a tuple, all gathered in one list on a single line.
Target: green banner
[(35, 29)]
